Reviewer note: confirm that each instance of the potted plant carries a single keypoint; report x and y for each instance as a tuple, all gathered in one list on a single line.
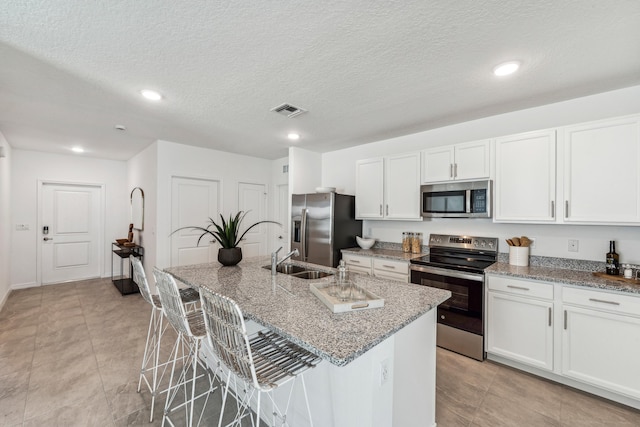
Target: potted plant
[(227, 233)]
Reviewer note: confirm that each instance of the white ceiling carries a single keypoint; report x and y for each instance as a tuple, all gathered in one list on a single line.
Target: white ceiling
[(366, 70)]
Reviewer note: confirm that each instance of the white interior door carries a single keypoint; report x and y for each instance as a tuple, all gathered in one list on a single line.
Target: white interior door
[(252, 200), (193, 202), (283, 216), (70, 232)]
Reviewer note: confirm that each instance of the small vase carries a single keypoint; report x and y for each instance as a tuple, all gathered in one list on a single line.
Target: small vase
[(229, 256)]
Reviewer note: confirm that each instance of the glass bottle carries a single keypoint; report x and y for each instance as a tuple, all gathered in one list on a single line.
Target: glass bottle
[(613, 260), (416, 243), (406, 241)]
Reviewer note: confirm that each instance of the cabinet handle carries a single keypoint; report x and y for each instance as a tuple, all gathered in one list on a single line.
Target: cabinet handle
[(450, 170), (381, 209), (455, 170), (387, 210), (553, 209), (389, 266), (549, 316), (565, 320), (355, 261), (518, 287), (566, 209), (604, 301)]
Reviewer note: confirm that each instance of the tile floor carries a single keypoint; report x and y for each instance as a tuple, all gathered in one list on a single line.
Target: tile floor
[(70, 356)]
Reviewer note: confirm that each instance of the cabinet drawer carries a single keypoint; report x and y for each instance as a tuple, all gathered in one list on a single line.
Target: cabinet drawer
[(358, 269), (605, 301), (521, 287), (398, 277), (355, 260), (391, 266)]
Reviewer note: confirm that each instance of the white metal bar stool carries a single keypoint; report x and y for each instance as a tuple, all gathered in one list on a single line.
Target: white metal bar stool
[(191, 331), (263, 362), (151, 366)]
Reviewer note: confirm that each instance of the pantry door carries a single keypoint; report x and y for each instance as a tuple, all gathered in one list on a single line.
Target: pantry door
[(70, 232), (193, 202), (252, 200)]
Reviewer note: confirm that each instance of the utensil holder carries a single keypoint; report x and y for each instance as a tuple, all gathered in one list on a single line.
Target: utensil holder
[(519, 255)]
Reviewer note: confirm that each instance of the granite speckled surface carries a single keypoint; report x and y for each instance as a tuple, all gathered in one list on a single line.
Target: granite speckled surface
[(286, 305), (570, 276), (382, 252)]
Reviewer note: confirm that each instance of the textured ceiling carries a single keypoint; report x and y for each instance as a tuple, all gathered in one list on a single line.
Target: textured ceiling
[(70, 70)]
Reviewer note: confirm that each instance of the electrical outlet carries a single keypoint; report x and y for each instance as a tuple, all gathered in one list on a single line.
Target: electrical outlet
[(533, 242), (573, 245), (384, 371)]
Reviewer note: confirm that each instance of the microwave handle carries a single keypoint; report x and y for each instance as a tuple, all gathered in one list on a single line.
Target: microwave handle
[(468, 201)]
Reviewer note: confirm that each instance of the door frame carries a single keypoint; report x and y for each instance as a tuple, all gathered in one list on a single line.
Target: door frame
[(101, 222)]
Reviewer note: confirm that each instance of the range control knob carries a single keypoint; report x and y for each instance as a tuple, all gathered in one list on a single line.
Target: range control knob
[(475, 243)]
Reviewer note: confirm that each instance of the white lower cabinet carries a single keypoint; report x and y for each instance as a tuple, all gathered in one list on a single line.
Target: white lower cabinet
[(357, 263), (391, 269), (584, 337), (520, 321), (601, 340), (384, 268)]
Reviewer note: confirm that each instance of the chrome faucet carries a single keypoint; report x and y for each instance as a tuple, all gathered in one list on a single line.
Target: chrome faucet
[(274, 259)]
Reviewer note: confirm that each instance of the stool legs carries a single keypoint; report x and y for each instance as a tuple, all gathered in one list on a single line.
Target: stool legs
[(151, 357)]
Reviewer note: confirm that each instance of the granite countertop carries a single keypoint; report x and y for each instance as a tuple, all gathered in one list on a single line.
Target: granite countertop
[(286, 305), (568, 276), (375, 252)]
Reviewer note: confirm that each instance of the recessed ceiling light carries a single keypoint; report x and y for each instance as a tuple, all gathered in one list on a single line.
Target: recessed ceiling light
[(77, 150), (151, 95), (506, 68), (293, 136)]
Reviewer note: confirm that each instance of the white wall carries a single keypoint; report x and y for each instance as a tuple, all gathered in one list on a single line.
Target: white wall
[(305, 171), (5, 219), (143, 172), (338, 170), (187, 161), (27, 167)]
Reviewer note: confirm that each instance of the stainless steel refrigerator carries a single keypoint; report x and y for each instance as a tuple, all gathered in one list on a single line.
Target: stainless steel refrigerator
[(322, 225)]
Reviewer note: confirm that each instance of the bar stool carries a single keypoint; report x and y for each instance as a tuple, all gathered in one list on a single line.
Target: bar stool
[(191, 331), (151, 358), (264, 361)]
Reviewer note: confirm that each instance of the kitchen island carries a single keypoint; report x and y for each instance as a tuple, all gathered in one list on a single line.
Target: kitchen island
[(379, 364)]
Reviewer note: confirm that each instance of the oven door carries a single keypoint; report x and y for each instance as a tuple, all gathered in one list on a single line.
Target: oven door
[(465, 307)]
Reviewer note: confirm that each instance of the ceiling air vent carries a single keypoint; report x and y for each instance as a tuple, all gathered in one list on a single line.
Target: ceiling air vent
[(288, 110)]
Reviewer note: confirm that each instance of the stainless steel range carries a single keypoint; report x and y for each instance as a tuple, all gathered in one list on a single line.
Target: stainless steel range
[(457, 263)]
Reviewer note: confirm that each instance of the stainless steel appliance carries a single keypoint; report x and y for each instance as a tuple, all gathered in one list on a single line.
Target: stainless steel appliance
[(456, 200), (457, 263), (322, 225)]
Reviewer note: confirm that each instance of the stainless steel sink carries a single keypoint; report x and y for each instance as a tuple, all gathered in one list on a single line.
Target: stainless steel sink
[(287, 268), (299, 271), (312, 274)]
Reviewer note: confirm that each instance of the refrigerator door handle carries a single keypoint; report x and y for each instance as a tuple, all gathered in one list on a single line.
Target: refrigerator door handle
[(303, 232)]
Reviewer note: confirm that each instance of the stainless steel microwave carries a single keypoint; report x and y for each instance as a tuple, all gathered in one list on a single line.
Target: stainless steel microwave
[(456, 200)]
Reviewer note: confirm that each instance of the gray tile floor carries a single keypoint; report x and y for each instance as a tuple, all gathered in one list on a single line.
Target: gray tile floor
[(70, 356)]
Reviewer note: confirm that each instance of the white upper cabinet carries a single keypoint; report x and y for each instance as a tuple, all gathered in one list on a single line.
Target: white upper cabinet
[(466, 161), (602, 171), (369, 188), (525, 181), (388, 187)]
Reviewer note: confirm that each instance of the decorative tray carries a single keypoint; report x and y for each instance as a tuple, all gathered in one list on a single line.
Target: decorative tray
[(343, 299)]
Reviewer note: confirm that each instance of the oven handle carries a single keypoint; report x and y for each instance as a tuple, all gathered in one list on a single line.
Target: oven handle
[(448, 273)]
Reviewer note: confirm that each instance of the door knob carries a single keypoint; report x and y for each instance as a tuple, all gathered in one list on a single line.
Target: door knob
[(48, 238)]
